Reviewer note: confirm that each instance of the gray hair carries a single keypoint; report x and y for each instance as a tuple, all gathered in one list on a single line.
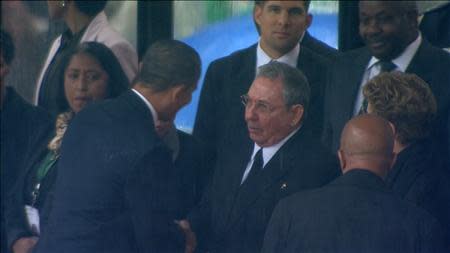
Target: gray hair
[(168, 63), (295, 84)]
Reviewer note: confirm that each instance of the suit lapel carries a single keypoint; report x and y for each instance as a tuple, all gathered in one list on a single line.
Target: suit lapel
[(424, 71), (355, 74), (249, 192), (239, 85)]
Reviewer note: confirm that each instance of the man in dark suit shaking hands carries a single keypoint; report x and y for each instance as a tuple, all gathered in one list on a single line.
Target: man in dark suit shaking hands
[(356, 212), (115, 189), (254, 173), (281, 25)]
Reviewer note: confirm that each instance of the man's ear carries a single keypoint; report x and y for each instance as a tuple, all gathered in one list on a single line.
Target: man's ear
[(342, 160), (309, 19), (257, 11), (394, 130), (298, 112), (177, 92)]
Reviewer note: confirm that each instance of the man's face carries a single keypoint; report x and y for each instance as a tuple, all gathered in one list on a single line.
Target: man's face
[(281, 24), (268, 119), (385, 29)]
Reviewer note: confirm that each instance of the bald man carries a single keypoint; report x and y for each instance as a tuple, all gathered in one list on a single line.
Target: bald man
[(356, 212)]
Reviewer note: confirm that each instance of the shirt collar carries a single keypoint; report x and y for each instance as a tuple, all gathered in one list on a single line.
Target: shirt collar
[(149, 105), (269, 152), (403, 60), (291, 58)]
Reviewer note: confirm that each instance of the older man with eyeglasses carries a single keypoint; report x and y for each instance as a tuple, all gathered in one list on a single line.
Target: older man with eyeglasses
[(252, 175)]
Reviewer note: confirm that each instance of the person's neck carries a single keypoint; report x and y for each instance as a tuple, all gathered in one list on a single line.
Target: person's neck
[(272, 53), (155, 99), (378, 169), (76, 20)]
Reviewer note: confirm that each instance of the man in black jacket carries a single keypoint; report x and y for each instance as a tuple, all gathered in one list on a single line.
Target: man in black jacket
[(116, 189), (356, 212), (281, 25), (277, 158)]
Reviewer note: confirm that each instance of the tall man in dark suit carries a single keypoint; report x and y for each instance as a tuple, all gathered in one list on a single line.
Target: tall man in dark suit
[(281, 25), (393, 42), (252, 175), (115, 190), (356, 212)]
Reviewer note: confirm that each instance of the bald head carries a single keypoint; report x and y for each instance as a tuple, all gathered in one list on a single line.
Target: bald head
[(367, 142)]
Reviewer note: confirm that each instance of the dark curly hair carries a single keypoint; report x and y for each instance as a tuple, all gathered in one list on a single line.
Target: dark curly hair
[(405, 100)]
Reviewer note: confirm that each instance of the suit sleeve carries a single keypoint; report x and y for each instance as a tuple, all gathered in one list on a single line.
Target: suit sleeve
[(153, 201), (277, 230)]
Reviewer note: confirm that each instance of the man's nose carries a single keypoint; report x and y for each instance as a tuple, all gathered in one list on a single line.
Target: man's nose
[(250, 112), (81, 84), (372, 27), (283, 18)]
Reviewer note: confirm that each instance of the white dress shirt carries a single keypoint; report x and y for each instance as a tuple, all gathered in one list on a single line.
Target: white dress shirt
[(149, 105), (267, 153), (373, 68), (291, 58)]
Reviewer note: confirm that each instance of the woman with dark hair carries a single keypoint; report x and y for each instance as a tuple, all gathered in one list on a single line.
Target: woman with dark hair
[(86, 21), (89, 73), (418, 174)]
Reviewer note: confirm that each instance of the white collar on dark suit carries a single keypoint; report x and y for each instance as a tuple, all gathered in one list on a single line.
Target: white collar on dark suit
[(373, 68), (402, 61), (149, 105), (267, 153), (291, 58)]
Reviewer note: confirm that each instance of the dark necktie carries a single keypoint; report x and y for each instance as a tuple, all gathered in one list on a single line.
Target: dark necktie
[(257, 165), (385, 66)]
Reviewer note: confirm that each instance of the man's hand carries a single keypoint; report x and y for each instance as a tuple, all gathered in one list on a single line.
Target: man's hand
[(24, 244), (191, 239)]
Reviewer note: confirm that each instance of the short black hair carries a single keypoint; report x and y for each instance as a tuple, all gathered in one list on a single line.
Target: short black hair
[(168, 63), (7, 46), (90, 8), (261, 2)]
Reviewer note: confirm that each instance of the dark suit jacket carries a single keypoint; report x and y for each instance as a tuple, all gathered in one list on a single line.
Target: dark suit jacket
[(191, 172), (220, 112), (435, 26), (15, 214), (354, 213), (115, 189), (319, 47), (21, 125), (417, 177), (429, 63), (234, 216)]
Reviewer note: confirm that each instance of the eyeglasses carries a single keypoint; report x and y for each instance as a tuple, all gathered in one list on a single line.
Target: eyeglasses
[(258, 105)]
